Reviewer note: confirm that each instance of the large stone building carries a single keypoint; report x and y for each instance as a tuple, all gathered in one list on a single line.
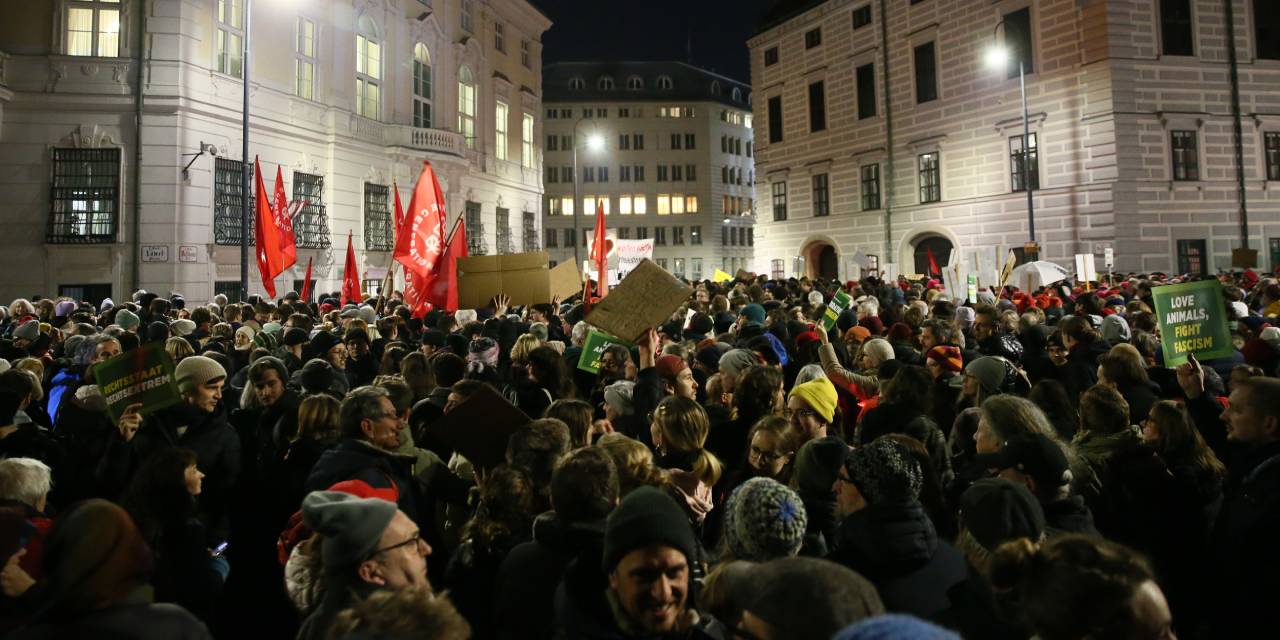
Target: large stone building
[(884, 137), (672, 162), (346, 97)]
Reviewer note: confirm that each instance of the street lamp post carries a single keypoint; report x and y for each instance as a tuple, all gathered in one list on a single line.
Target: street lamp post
[(998, 57), (245, 193), (594, 143)]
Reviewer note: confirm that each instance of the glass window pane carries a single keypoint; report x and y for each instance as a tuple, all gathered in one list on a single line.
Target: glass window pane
[(375, 60), (108, 33), (80, 32)]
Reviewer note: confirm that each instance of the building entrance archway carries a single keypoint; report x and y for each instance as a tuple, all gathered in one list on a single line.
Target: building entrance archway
[(940, 247), (821, 260)]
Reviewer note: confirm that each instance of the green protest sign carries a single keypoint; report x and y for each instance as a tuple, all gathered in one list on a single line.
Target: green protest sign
[(593, 349), (837, 306), (143, 375), (1193, 319)]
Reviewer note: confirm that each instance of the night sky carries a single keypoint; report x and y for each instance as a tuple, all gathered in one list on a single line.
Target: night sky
[(590, 30)]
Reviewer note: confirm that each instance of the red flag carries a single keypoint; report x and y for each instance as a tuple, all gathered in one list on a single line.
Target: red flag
[(266, 236), (600, 251), (280, 212), (933, 265), (399, 209), (420, 241), (350, 277), (443, 288), (306, 281)]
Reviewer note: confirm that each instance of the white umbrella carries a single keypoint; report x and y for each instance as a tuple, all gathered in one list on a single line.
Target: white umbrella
[(1033, 275)]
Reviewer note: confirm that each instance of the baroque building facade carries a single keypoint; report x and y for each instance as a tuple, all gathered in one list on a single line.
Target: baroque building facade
[(121, 134)]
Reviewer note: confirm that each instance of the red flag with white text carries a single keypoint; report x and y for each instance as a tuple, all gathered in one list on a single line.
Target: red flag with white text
[(420, 238), (350, 277), (284, 224), (266, 236)]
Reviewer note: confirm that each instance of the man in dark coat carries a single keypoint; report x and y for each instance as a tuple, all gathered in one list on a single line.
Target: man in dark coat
[(584, 490)]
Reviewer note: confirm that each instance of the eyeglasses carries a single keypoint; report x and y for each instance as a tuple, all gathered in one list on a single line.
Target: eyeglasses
[(413, 540), (767, 457), (796, 414)]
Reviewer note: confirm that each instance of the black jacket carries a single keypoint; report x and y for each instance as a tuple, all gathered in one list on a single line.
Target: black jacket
[(472, 578), (358, 460), (1247, 585), (1081, 369), (895, 547), (1068, 516), (1140, 398), (524, 591)]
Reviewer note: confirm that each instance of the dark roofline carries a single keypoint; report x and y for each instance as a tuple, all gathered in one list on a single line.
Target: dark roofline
[(782, 12)]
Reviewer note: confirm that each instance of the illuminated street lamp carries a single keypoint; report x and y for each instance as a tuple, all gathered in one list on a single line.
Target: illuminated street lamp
[(595, 143), (997, 57)]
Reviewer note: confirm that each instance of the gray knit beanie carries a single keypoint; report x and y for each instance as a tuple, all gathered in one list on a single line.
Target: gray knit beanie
[(29, 330), (735, 360), (194, 371), (127, 319), (620, 395), (878, 348), (182, 327), (352, 527), (885, 472), (763, 520)]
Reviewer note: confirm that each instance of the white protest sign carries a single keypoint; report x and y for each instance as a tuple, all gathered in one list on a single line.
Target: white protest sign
[(1085, 268)]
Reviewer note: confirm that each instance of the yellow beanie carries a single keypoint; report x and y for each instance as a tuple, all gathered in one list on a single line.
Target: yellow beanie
[(820, 395)]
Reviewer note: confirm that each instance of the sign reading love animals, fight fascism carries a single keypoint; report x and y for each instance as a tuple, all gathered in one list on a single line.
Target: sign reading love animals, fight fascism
[(1193, 320)]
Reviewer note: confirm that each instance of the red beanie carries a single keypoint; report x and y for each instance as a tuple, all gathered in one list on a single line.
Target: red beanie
[(947, 357), (669, 367)]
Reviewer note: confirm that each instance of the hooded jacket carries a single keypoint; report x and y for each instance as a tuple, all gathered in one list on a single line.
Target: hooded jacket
[(524, 592)]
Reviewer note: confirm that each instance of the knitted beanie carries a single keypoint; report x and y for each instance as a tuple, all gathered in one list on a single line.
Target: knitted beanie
[(29, 330), (669, 367), (127, 319), (858, 333), (265, 340), (247, 332), (272, 327), (885, 472), (620, 395), (878, 348), (753, 313), (895, 626), (947, 357), (808, 597), (995, 511), (194, 371), (182, 327), (763, 520), (820, 395), (818, 464), (647, 516), (64, 308), (735, 360), (293, 337), (352, 527)]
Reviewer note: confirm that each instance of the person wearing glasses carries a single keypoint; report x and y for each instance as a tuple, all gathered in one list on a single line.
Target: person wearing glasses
[(812, 410), (368, 545)]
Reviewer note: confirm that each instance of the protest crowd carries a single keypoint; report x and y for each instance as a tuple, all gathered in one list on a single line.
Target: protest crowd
[(761, 465)]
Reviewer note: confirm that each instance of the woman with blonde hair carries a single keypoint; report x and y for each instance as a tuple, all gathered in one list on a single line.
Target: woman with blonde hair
[(318, 431), (524, 345), (178, 348), (679, 430), (634, 462)]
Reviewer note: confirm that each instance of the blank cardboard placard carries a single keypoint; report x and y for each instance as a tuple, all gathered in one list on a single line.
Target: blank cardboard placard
[(480, 426), (524, 277), (645, 299)]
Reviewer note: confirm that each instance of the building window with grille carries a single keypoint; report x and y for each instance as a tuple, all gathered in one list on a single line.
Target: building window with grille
[(530, 220), (304, 62), (421, 86), (85, 196), (503, 220), (311, 223), (467, 106), (677, 236), (552, 175), (526, 140), (642, 233), (624, 233), (1192, 258), (1186, 163), (368, 68), (1271, 143), (377, 218), (475, 230), (1024, 163), (870, 187), (93, 28), (526, 57), (695, 235), (812, 38), (230, 37), (821, 196), (228, 288), (930, 178), (566, 174), (779, 201), (862, 16), (500, 130), (777, 269), (770, 56), (228, 202)]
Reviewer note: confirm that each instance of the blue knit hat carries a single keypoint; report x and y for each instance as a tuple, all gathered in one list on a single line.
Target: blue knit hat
[(763, 520), (753, 312)]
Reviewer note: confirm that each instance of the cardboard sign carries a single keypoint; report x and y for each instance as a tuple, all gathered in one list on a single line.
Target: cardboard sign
[(744, 276), (631, 252), (480, 426), (1193, 319), (593, 348), (523, 276), (1009, 264), (1244, 258), (1085, 271), (721, 276), (839, 303), (1109, 258), (644, 299), (142, 375)]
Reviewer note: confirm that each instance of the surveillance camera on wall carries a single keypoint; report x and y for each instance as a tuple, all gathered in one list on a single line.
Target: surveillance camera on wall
[(209, 149)]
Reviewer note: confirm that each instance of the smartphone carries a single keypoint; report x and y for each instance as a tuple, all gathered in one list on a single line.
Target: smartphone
[(219, 550)]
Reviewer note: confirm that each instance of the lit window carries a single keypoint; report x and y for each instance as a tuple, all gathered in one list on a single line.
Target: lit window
[(624, 205), (664, 204), (368, 68), (467, 106), (639, 205), (93, 28), (526, 140), (230, 37), (566, 205), (421, 86), (677, 204), (500, 130), (304, 64)]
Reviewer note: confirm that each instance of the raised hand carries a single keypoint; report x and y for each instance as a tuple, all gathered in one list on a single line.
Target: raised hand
[(130, 420)]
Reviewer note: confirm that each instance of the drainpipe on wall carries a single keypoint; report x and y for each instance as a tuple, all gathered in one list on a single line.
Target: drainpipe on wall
[(135, 229), (888, 133), (1233, 64)]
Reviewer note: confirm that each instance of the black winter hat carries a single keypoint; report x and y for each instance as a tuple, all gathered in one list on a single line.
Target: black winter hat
[(995, 511), (322, 342), (316, 376), (433, 337), (647, 516), (294, 336)]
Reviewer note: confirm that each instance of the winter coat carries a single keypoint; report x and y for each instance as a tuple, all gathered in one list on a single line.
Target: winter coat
[(525, 586), (896, 548), (822, 525), (86, 431), (1081, 369), (1140, 397), (337, 595), (184, 571), (472, 578), (1133, 502), (976, 611), (134, 617), (909, 420), (1245, 553), (355, 459), (1068, 516)]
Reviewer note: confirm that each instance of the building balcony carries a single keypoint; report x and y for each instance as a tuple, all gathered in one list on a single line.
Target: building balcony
[(430, 140)]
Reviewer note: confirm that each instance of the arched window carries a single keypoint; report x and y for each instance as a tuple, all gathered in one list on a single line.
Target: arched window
[(737, 94), (715, 88), (421, 86), (635, 83), (368, 68), (467, 106), (605, 83), (664, 83), (576, 83)]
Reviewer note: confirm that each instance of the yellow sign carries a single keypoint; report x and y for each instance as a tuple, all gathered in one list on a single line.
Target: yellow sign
[(721, 276)]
